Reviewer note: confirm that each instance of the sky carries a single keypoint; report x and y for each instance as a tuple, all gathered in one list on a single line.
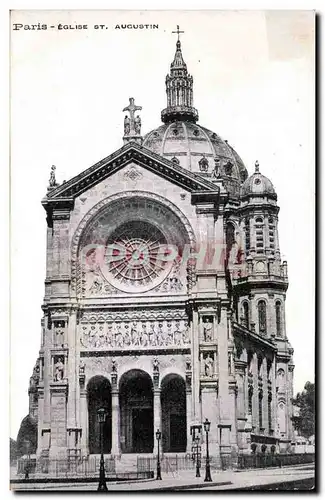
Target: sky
[(253, 85)]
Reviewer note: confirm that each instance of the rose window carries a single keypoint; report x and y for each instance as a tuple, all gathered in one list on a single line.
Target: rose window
[(137, 256)]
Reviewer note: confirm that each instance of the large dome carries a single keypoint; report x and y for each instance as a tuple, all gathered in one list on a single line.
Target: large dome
[(196, 148), (183, 141)]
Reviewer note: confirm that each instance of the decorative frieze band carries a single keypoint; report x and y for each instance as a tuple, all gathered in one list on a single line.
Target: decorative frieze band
[(134, 335)]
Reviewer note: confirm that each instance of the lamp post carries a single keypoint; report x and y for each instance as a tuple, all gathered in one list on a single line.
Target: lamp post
[(158, 437), (101, 416), (197, 449), (206, 426)]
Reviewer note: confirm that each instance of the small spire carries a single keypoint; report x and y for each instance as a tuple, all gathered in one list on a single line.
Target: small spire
[(179, 90), (257, 167)]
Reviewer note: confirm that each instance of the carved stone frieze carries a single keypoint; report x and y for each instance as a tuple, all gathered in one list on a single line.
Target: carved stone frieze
[(134, 334), (133, 315)]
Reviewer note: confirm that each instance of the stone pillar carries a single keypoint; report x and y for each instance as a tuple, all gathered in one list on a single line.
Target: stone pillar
[(224, 400), (242, 408), (274, 396), (289, 401), (196, 363), (254, 365), (156, 417), (84, 422), (265, 396), (188, 420), (209, 402), (115, 422), (47, 372), (71, 370)]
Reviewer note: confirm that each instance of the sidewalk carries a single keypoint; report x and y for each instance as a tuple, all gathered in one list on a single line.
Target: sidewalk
[(221, 480)]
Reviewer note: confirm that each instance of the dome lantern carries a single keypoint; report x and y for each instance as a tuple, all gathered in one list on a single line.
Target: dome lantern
[(179, 90)]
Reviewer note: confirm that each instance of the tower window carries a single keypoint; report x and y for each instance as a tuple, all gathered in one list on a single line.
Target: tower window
[(271, 233), (262, 317), (278, 314), (247, 236), (246, 314), (259, 232)]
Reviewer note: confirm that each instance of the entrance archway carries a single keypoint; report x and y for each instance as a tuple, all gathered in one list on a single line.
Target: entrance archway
[(99, 396), (173, 407), (136, 412)]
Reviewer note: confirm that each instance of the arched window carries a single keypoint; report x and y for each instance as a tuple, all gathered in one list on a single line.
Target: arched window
[(262, 317), (271, 233), (247, 236), (246, 314), (278, 314), (259, 230)]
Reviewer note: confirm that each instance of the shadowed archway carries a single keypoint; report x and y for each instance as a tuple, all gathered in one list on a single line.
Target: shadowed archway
[(173, 407), (99, 396), (136, 412)]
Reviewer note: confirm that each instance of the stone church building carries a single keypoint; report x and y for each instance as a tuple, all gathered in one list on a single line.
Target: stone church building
[(164, 297)]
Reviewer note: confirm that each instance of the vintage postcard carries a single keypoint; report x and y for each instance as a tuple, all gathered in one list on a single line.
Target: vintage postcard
[(162, 187)]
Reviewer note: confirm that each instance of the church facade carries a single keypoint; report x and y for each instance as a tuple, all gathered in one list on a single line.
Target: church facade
[(164, 297)]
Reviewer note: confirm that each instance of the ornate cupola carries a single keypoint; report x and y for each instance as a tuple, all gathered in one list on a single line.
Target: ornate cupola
[(179, 90)]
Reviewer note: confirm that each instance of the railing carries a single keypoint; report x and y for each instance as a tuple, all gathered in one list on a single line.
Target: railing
[(85, 467), (259, 460), (168, 463)]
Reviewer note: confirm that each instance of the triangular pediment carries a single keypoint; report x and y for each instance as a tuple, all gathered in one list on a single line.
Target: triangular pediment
[(131, 152)]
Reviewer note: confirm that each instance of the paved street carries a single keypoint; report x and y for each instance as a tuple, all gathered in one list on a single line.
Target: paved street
[(221, 480)]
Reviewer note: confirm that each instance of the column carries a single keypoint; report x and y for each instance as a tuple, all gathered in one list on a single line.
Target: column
[(265, 397), (255, 394), (115, 423), (71, 369), (188, 419), (83, 416), (156, 417), (196, 364), (224, 399), (241, 404), (209, 402), (274, 396)]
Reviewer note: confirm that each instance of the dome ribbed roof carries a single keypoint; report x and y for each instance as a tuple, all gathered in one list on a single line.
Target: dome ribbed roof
[(196, 148), (257, 184)]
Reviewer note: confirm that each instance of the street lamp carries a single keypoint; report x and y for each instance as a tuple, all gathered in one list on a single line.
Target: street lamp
[(206, 426), (101, 416), (158, 437), (197, 450)]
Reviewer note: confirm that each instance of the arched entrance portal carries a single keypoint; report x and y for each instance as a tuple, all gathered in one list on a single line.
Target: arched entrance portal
[(99, 396), (136, 412), (173, 407)]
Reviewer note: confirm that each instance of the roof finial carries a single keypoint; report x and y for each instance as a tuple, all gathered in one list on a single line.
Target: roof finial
[(52, 180), (132, 124), (178, 32), (257, 167)]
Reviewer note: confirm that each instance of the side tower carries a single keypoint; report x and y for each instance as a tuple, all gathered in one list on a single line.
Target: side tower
[(260, 293)]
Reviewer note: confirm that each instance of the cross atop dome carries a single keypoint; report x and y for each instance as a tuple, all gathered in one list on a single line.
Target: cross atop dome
[(178, 32)]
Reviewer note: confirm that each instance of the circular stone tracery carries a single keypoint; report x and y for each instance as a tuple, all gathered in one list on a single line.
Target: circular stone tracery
[(119, 240), (136, 255)]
